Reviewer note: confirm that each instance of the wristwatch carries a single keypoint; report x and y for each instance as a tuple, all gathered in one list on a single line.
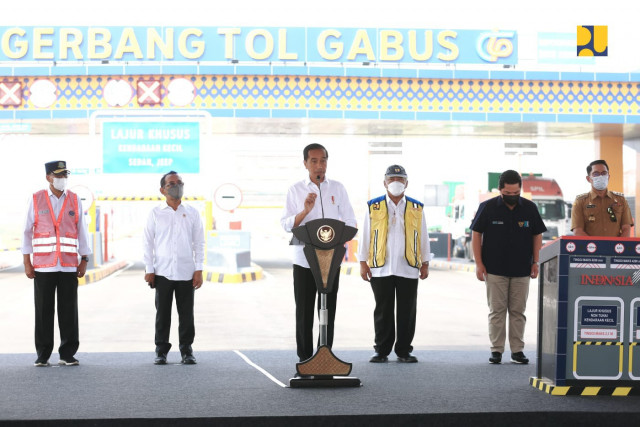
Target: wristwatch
[(84, 258)]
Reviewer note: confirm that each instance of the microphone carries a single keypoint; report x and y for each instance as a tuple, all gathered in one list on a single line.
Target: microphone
[(320, 190)]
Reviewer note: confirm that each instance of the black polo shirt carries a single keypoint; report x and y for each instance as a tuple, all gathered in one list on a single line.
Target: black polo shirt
[(507, 236)]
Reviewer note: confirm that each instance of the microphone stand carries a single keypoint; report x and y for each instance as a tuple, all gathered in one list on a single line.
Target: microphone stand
[(323, 313), (320, 190)]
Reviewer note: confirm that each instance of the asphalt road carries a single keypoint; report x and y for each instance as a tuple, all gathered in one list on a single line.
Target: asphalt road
[(117, 313)]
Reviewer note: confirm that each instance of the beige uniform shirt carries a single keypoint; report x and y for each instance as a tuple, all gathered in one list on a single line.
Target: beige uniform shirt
[(601, 216)]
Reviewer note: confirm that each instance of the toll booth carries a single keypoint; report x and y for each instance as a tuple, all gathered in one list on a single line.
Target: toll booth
[(589, 316), (229, 249)]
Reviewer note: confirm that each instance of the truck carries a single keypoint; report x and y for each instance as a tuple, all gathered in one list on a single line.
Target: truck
[(555, 212), (544, 192)]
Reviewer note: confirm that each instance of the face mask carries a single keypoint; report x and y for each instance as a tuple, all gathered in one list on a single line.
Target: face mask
[(510, 200), (600, 182), (60, 183), (396, 188), (176, 191)]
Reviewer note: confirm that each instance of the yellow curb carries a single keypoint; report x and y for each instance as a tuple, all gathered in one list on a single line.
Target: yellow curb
[(100, 273), (255, 273)]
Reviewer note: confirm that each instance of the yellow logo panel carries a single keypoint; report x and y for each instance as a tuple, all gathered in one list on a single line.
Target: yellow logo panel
[(592, 40)]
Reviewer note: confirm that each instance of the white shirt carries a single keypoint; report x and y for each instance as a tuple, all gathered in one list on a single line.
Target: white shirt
[(56, 205), (174, 242), (335, 203), (395, 263)]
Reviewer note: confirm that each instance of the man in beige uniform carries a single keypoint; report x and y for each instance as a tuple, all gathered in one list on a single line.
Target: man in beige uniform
[(601, 212)]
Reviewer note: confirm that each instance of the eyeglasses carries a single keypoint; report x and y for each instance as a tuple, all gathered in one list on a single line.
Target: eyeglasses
[(173, 184), (612, 215), (597, 174), (62, 174)]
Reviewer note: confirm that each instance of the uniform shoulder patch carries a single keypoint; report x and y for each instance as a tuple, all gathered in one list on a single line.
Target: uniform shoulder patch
[(582, 196), (617, 194)]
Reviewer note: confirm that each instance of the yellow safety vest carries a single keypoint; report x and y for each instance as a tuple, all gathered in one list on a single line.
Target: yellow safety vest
[(379, 218)]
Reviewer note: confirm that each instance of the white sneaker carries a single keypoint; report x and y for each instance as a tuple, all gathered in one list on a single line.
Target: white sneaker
[(69, 361)]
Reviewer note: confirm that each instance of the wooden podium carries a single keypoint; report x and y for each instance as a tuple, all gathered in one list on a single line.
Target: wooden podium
[(324, 241)]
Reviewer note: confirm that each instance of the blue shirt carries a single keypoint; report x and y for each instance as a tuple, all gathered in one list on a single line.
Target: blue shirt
[(507, 236)]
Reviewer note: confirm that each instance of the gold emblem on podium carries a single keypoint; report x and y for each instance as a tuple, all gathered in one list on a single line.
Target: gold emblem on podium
[(326, 234)]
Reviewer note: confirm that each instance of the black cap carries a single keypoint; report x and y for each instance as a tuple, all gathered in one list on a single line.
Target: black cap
[(57, 166), (396, 170)]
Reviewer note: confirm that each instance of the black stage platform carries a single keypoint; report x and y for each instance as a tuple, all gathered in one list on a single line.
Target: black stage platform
[(231, 388)]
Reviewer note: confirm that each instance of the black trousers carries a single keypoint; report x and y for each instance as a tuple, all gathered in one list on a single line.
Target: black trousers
[(386, 290), (45, 286), (184, 292), (304, 291)]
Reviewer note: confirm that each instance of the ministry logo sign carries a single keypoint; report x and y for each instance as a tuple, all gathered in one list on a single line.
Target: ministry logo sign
[(592, 40)]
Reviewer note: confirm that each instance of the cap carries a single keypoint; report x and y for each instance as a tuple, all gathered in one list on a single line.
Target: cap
[(57, 166), (396, 170)]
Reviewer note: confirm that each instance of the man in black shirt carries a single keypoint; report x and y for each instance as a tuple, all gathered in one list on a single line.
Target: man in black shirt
[(506, 240)]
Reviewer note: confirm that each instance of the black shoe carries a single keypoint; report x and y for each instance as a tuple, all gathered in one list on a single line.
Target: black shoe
[(378, 358), (407, 359), (519, 357), (68, 361), (161, 359), (41, 362), (188, 359), (496, 358)]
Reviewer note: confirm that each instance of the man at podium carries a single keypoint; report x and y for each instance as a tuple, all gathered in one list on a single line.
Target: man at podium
[(601, 212), (311, 198)]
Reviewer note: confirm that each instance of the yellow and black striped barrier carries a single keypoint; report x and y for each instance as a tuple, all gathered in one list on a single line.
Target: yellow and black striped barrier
[(255, 273), (554, 390), (600, 343), (100, 273), (143, 198), (632, 347), (350, 268), (9, 249)]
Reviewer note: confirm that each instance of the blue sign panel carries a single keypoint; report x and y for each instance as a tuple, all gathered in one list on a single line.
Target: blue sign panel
[(151, 147), (602, 315)]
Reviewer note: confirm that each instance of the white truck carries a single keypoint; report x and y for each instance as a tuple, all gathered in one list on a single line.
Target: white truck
[(544, 192), (555, 212)]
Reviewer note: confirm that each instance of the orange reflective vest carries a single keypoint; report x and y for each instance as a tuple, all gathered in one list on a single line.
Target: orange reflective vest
[(55, 239)]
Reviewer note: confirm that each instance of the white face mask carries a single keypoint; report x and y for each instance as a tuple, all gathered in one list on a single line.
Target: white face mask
[(600, 182), (60, 183), (396, 188)]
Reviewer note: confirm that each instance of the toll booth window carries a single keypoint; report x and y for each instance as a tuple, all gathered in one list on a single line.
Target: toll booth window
[(551, 209)]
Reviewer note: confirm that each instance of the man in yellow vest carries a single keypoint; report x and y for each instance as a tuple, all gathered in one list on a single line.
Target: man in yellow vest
[(394, 252), (56, 234)]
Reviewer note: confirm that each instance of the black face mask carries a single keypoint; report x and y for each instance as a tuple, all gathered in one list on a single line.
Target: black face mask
[(510, 200)]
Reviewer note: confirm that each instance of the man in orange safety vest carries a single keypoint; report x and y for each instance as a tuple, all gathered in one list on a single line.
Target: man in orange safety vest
[(56, 234)]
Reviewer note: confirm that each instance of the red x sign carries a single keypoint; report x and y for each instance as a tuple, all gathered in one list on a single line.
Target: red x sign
[(10, 92), (149, 92)]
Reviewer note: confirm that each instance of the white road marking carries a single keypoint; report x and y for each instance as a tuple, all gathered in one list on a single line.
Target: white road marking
[(267, 374)]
